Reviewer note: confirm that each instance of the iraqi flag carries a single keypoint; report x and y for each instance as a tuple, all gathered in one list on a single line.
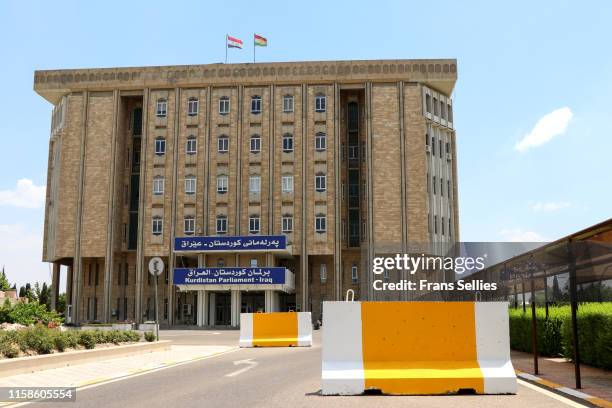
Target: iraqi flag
[(233, 42)]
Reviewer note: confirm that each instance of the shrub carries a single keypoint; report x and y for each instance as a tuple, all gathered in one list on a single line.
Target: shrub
[(33, 312), (39, 339), (9, 349), (60, 342), (71, 337), (131, 336), (87, 339), (149, 336), (554, 334)]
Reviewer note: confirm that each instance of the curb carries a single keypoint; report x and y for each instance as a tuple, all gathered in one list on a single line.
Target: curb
[(567, 392), (24, 365)]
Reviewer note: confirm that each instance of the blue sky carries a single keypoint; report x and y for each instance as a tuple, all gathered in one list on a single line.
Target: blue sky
[(518, 62)]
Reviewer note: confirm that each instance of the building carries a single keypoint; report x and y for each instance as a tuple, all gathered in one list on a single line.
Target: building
[(317, 165)]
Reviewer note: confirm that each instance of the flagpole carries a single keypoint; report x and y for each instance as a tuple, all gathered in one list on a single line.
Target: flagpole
[(226, 48), (254, 48)]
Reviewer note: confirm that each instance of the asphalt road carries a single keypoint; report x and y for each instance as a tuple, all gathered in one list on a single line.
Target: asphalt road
[(266, 378)]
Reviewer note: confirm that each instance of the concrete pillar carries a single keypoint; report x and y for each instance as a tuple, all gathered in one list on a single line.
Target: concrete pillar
[(69, 285), (271, 301), (55, 281), (211, 312), (236, 303)]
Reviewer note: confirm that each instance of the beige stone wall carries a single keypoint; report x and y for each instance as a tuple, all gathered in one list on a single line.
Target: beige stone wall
[(386, 165), (97, 175)]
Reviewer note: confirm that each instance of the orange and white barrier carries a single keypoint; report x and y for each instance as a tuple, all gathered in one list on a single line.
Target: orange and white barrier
[(416, 348), (278, 329)]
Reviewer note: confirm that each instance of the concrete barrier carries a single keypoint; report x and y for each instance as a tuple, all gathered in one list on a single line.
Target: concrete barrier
[(23, 365), (278, 329), (412, 348)]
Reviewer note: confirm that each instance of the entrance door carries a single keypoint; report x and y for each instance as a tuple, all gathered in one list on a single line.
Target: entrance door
[(223, 312), (252, 302)]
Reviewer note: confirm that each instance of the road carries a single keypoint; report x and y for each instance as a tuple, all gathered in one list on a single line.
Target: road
[(266, 378)]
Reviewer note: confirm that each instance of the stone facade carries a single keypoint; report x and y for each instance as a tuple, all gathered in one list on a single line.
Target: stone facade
[(106, 156)]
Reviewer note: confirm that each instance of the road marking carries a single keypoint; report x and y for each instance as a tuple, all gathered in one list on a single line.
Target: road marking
[(250, 364), (137, 374), (551, 394)]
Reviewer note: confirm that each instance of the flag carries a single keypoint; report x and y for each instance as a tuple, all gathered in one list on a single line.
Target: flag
[(233, 42), (261, 41)]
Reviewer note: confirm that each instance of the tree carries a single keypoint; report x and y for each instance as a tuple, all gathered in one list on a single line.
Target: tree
[(556, 295), (22, 292), (29, 293), (61, 303), (4, 283), (43, 295)]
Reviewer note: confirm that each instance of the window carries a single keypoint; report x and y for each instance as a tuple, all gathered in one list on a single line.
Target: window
[(224, 105), (255, 143), (193, 106), (441, 187), (287, 224), (320, 103), (428, 103), (162, 108), (434, 184), (158, 225), (449, 226), (256, 104), (450, 112), (189, 225), (448, 188), (435, 224), (288, 103), (323, 272), (436, 107), (253, 262), (354, 273), (222, 184), (386, 275), (254, 224), (223, 144), (433, 146), (192, 145), (221, 224), (442, 225), (447, 147), (160, 146), (158, 185), (220, 262), (287, 143), (443, 109), (321, 223), (426, 139), (321, 142), (440, 147), (287, 184), (190, 184), (254, 184), (320, 182)]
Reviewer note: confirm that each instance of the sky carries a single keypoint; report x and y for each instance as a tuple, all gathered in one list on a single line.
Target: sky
[(532, 104)]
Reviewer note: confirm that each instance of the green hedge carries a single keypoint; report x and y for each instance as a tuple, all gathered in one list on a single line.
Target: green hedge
[(555, 336), (42, 340)]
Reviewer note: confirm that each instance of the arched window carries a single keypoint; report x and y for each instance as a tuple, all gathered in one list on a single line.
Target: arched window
[(189, 225), (320, 141), (255, 143), (256, 104), (224, 105), (191, 146), (193, 106), (160, 146), (287, 143), (158, 185), (223, 144), (320, 103), (288, 103), (161, 109)]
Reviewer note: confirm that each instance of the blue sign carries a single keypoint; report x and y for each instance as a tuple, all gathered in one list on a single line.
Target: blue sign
[(248, 243), (229, 276)]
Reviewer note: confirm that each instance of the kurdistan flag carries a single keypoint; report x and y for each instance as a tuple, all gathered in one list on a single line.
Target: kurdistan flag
[(260, 41)]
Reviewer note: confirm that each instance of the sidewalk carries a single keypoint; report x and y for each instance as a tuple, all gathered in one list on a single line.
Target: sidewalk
[(82, 375), (558, 371)]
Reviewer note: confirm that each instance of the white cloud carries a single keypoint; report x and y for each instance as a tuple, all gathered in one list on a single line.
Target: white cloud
[(550, 125), (21, 254), (26, 195), (518, 235), (550, 206)]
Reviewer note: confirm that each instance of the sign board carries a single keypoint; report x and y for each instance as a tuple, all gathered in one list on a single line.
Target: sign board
[(229, 276), (231, 243), (156, 266)]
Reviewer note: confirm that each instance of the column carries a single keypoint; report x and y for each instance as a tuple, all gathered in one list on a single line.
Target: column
[(211, 312), (271, 301), (235, 301), (69, 285), (199, 308), (55, 278), (204, 311)]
